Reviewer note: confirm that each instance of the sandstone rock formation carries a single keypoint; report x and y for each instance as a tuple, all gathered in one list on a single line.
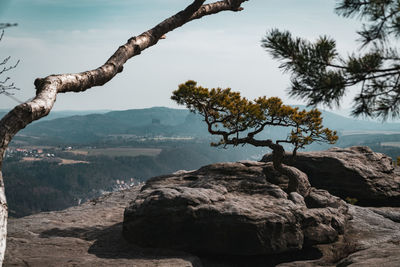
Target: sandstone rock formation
[(355, 172), (91, 234), (231, 209)]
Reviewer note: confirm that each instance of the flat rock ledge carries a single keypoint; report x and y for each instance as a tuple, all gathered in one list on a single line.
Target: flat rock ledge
[(85, 235), (231, 209), (355, 172)]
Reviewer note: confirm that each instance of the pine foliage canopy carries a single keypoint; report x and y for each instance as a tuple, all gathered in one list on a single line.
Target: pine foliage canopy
[(238, 120)]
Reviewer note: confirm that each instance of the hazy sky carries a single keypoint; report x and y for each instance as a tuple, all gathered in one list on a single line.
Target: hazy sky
[(68, 36)]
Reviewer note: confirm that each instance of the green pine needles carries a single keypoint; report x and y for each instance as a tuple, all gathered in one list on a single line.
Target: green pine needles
[(238, 120), (320, 75)]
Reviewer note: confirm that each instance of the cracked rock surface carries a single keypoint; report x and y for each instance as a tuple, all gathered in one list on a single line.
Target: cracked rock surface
[(231, 209)]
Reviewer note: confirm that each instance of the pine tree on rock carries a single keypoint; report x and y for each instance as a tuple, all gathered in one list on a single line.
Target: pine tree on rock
[(238, 120)]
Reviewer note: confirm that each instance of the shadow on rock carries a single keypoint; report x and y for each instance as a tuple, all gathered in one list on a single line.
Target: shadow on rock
[(261, 261), (109, 243)]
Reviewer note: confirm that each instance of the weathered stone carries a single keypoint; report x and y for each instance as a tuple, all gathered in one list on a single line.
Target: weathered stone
[(86, 235), (388, 212), (387, 255), (375, 240), (297, 198), (369, 240), (230, 209), (90, 234), (355, 172)]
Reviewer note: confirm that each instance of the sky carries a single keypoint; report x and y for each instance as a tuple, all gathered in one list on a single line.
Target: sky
[(222, 50)]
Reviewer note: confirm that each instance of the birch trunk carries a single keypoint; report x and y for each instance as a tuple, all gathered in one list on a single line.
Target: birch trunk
[(3, 219)]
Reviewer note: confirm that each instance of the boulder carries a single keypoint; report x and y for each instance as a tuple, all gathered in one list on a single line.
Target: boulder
[(230, 209), (355, 172)]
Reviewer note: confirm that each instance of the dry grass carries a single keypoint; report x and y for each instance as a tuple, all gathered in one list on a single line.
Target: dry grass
[(71, 161), (118, 152), (31, 159)]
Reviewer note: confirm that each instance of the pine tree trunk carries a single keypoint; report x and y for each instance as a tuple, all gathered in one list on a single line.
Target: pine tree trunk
[(298, 181)]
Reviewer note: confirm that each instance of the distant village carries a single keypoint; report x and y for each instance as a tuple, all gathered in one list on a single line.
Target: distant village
[(27, 153), (34, 153), (122, 185)]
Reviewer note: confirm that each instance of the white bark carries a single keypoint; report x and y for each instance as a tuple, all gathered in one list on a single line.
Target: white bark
[(47, 88), (3, 220)]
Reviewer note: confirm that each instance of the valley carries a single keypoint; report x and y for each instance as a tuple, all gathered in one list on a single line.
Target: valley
[(58, 163)]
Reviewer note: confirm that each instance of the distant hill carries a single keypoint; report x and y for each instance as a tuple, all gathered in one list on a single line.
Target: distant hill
[(61, 114), (345, 124), (94, 127), (162, 121)]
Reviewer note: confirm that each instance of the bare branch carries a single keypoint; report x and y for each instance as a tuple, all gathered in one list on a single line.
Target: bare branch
[(6, 89), (6, 25)]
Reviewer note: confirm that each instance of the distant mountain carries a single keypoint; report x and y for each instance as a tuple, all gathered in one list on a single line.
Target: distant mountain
[(163, 121), (345, 124), (62, 113), (347, 113), (94, 127)]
